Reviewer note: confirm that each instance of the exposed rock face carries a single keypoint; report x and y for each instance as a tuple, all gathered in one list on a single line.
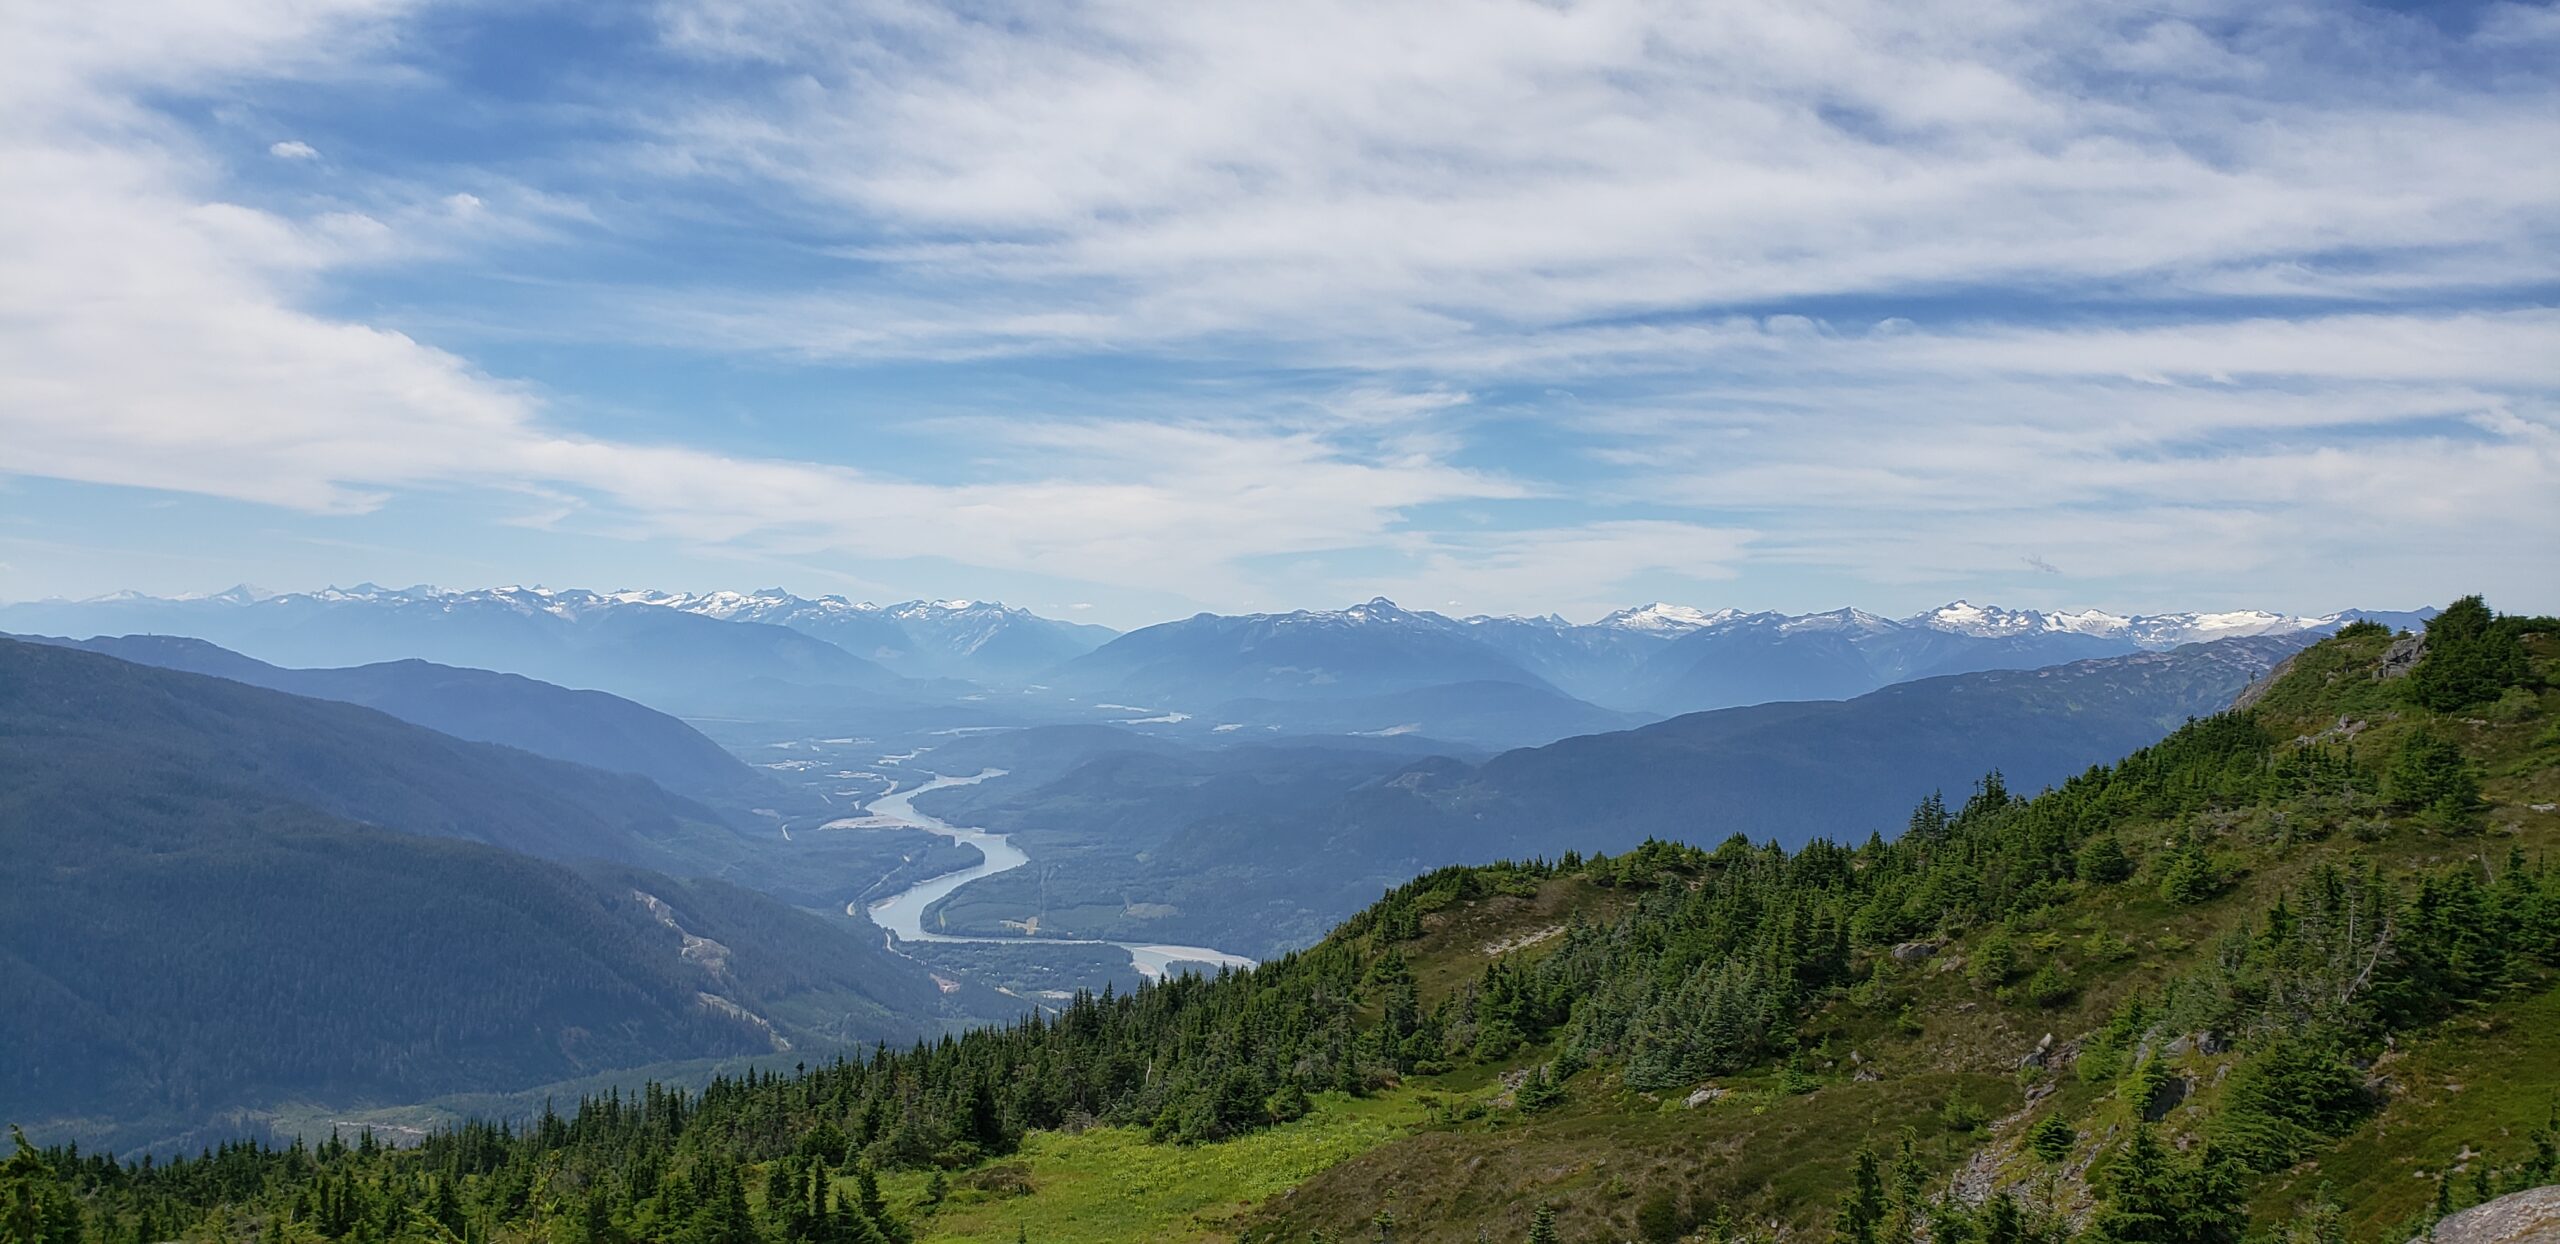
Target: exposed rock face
[(2529, 1217), (2037, 1056), (2402, 656), (2256, 691), (2166, 1098), (1914, 952)]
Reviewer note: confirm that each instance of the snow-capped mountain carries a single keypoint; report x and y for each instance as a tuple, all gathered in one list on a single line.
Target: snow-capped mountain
[(1662, 618), (563, 634), (1673, 658), (2151, 631), (983, 640), (671, 647), (611, 641), (1366, 649)]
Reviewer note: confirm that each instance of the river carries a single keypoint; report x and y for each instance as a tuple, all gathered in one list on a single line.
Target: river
[(902, 914)]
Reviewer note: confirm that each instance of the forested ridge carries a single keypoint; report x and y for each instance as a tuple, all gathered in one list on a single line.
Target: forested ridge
[(2340, 824), (191, 923)]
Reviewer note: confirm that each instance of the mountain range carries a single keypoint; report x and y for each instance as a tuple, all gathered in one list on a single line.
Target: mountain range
[(225, 897), (1262, 847), (742, 653), (983, 641), (1658, 659), (588, 728)]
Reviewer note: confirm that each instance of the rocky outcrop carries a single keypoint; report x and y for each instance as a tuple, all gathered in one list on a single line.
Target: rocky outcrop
[(2401, 657), (2529, 1217), (2037, 1056), (2256, 691)]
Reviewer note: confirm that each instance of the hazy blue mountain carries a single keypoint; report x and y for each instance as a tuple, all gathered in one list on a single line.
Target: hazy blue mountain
[(1248, 852), (1792, 770), (197, 921), (1752, 659), (980, 640), (1591, 662), (667, 658), (1488, 713), (1672, 659), (350, 762), (590, 728), (1365, 650)]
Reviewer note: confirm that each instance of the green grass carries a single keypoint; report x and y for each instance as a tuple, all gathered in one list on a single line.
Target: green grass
[(1765, 1155), (1758, 1153), (2483, 1080), (1110, 1184)]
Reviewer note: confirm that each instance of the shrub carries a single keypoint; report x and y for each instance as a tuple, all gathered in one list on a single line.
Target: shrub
[(1658, 1217), (2190, 878), (1994, 961), (1539, 1092), (2430, 773), (2052, 1138), (2287, 1098), (2469, 660), (2049, 987), (2102, 859)]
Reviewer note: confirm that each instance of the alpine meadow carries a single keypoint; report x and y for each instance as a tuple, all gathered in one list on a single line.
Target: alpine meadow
[(1445, 622)]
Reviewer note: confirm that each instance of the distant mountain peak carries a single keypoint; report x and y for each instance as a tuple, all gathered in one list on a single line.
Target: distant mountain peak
[(1665, 617)]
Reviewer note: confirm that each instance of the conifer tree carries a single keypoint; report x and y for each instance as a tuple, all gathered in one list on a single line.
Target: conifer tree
[(1542, 1225)]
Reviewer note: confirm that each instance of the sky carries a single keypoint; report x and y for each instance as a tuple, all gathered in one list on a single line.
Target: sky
[(1126, 311)]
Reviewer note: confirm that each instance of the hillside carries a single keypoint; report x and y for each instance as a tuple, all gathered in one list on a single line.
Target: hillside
[(1790, 771), (1372, 649), (2140, 1006), (667, 658), (1261, 850), (78, 718), (588, 728)]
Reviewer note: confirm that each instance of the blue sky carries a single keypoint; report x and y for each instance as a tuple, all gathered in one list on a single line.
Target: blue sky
[(1122, 311)]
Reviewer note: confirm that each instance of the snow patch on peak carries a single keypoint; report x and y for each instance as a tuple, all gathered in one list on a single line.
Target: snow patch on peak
[(1845, 619), (1665, 617), (1963, 617)]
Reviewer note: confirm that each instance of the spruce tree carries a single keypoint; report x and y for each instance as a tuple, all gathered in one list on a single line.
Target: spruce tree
[(1542, 1225)]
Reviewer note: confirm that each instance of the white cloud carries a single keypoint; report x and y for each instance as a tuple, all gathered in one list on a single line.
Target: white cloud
[(1413, 176), (1416, 214), (293, 149), (159, 339)]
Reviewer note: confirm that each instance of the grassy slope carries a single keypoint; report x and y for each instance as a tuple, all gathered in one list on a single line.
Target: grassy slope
[(1448, 1161)]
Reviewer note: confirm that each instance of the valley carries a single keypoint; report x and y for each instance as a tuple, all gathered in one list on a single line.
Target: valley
[(2277, 942), (1462, 622), (867, 878), (903, 914)]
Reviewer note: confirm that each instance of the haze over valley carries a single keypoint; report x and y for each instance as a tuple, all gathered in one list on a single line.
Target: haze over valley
[(1449, 622)]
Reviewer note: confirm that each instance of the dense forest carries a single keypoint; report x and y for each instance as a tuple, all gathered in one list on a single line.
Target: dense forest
[(1706, 961)]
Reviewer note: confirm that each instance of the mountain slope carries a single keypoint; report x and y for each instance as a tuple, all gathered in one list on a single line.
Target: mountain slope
[(1369, 649), (72, 710), (196, 922), (2220, 986), (588, 728), (666, 658), (984, 641), (1266, 856), (1791, 770)]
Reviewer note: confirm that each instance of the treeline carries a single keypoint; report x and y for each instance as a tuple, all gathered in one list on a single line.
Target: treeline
[(1712, 966)]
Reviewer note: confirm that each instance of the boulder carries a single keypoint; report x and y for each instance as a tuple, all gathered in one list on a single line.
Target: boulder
[(2037, 1056), (2528, 1217), (2402, 656), (1914, 952)]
